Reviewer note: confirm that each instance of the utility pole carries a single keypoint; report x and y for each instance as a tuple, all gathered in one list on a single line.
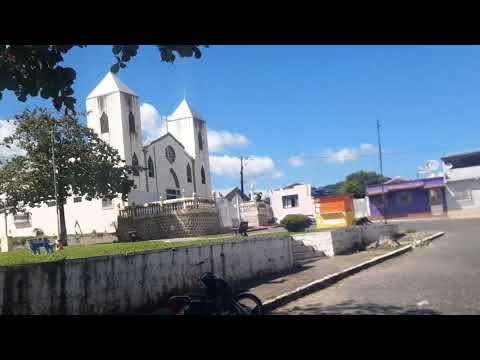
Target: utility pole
[(381, 172)]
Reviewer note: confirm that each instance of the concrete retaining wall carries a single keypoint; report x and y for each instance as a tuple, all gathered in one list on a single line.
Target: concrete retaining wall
[(123, 283), (342, 241)]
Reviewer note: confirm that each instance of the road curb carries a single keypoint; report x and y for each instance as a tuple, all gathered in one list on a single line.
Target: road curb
[(429, 238), (331, 279)]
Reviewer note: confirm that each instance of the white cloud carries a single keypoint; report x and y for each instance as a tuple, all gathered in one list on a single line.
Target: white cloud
[(254, 167), (296, 161), (7, 128), (219, 140), (342, 155), (350, 154), (153, 126), (368, 149)]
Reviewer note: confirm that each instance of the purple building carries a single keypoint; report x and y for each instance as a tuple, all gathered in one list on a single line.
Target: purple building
[(408, 198)]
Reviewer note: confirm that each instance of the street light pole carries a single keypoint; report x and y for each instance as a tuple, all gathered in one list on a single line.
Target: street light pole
[(381, 172), (241, 174)]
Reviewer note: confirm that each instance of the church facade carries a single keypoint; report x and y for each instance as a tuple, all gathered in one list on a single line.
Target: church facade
[(173, 166)]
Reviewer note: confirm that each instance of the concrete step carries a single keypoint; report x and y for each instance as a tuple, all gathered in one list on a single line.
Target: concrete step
[(307, 255)]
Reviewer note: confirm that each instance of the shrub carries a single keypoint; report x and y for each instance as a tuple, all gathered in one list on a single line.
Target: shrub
[(295, 222)]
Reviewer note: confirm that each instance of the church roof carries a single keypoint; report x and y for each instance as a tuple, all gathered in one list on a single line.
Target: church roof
[(184, 110), (110, 84)]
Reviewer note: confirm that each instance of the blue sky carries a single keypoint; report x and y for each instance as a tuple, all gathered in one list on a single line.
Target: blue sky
[(279, 102)]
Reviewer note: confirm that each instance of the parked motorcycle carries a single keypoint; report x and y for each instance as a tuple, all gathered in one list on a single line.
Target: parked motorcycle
[(219, 299)]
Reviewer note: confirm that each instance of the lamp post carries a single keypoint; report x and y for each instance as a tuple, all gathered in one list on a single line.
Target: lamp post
[(59, 243)]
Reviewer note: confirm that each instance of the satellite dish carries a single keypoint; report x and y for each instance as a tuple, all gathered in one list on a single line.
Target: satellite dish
[(447, 166), (431, 165)]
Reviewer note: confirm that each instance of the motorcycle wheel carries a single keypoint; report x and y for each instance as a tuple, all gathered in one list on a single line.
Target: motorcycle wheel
[(249, 304)]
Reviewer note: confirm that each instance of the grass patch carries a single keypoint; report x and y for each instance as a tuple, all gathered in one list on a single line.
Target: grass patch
[(410, 231), (24, 257)]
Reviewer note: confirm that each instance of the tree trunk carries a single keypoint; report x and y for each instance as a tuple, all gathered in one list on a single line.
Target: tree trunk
[(62, 238)]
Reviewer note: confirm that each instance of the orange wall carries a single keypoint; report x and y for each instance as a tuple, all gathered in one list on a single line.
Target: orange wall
[(335, 204)]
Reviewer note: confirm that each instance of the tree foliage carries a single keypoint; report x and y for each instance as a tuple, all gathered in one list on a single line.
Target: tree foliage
[(30, 70), (357, 182), (85, 164)]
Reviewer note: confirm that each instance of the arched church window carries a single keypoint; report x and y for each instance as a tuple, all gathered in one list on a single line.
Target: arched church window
[(200, 141), (135, 168), (175, 179), (189, 173), (202, 174), (104, 123), (131, 123), (151, 172), (170, 154)]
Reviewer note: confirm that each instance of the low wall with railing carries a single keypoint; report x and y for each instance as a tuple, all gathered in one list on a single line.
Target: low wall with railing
[(170, 219)]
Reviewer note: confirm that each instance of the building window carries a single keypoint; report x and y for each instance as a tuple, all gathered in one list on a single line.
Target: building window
[(135, 168), (104, 123), (77, 199), (151, 172), (189, 173), (175, 179), (170, 154), (51, 203), (22, 220), (464, 195), (107, 203), (173, 194), (290, 201), (200, 141), (404, 198), (131, 123), (202, 174)]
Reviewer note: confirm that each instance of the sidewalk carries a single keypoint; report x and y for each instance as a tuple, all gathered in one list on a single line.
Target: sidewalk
[(268, 288), (273, 287)]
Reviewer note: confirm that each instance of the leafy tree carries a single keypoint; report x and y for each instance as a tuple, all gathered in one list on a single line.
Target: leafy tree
[(357, 182), (30, 70), (85, 164), (353, 187)]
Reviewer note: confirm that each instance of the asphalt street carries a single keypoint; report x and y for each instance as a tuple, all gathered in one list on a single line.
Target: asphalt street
[(441, 278)]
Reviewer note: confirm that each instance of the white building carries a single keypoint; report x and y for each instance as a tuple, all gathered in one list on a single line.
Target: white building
[(462, 184), (172, 166), (293, 199)]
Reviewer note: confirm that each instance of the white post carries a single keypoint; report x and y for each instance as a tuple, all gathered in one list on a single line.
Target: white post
[(4, 245)]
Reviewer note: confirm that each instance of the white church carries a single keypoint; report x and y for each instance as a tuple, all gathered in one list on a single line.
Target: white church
[(173, 166)]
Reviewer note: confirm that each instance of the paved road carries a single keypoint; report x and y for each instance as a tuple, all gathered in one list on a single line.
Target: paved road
[(441, 278)]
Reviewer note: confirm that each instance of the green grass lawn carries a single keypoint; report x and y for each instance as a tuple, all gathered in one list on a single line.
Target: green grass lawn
[(23, 257)]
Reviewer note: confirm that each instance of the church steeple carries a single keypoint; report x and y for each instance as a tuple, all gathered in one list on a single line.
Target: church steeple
[(185, 110), (110, 84)]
